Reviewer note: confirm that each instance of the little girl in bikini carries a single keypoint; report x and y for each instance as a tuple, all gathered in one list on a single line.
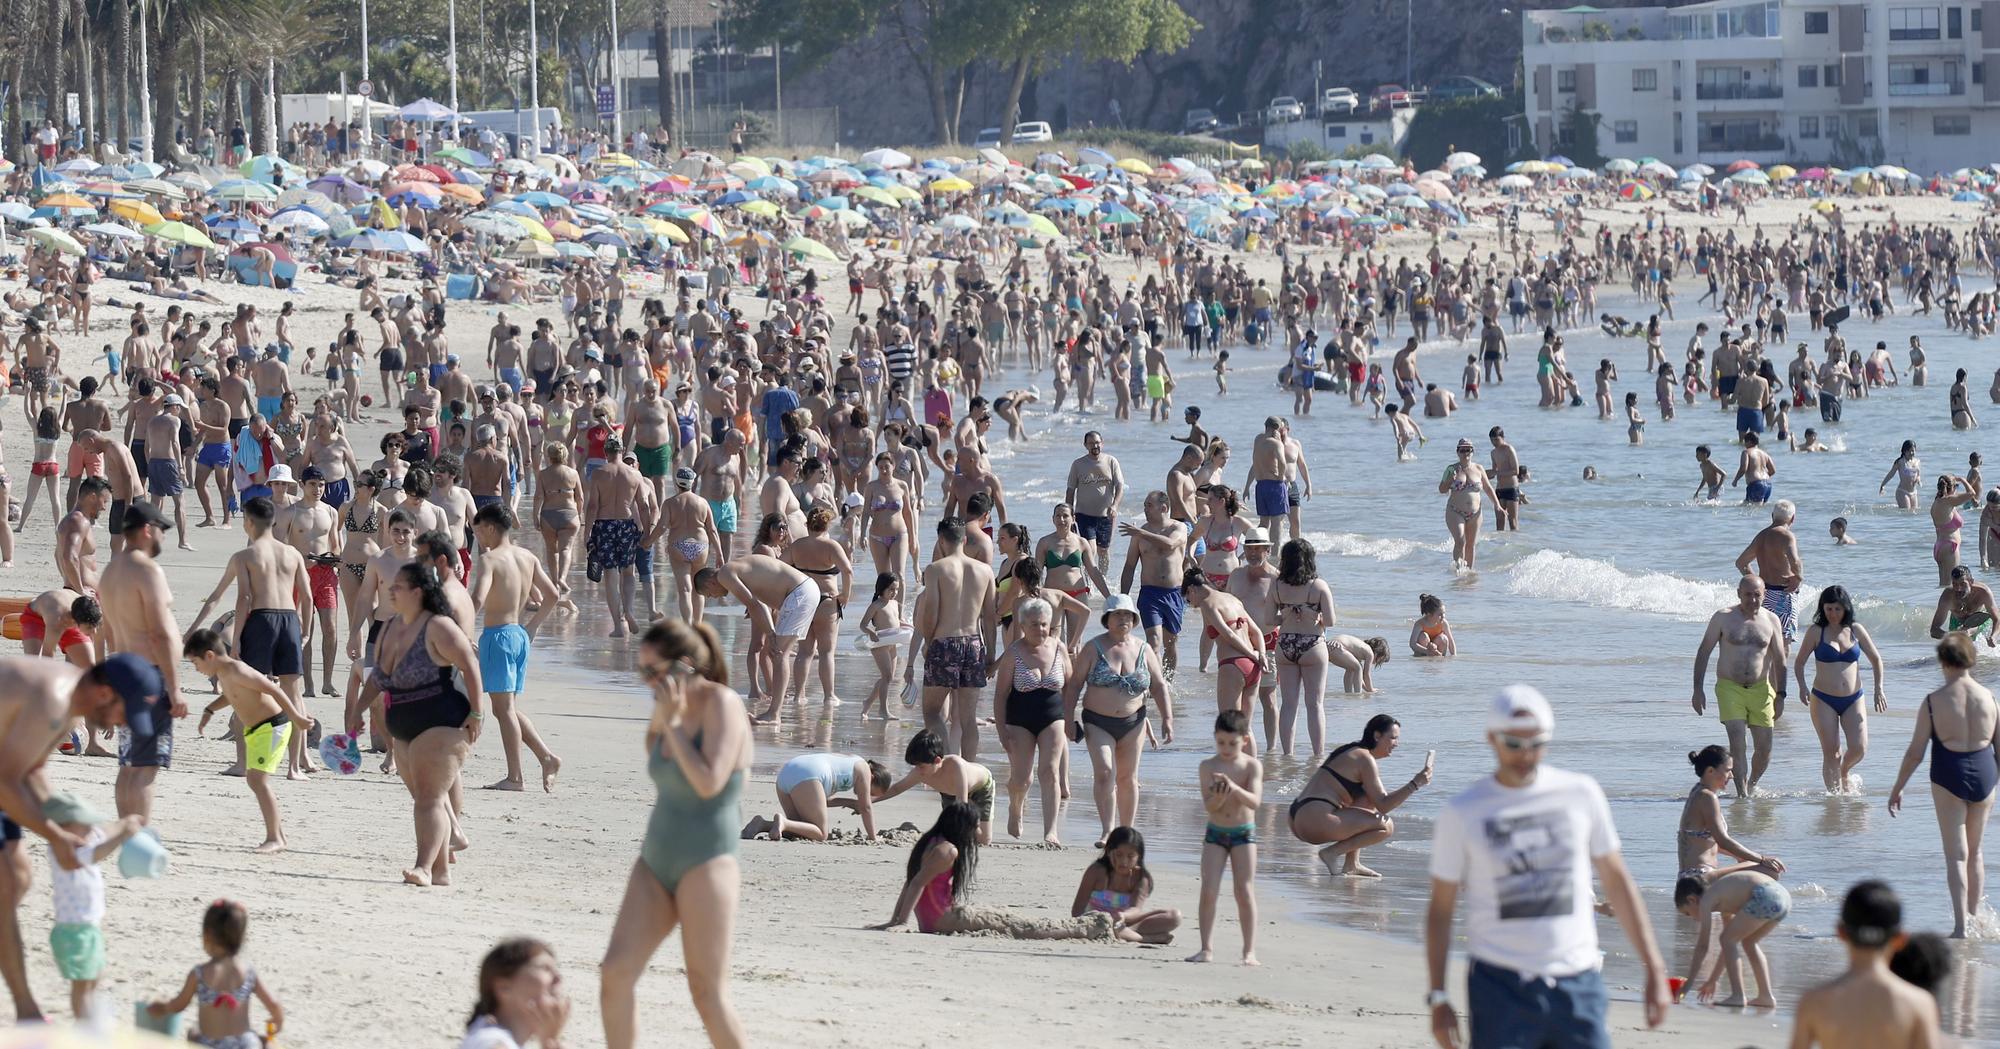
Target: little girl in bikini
[(1431, 634), (224, 985), (883, 629), (1118, 884)]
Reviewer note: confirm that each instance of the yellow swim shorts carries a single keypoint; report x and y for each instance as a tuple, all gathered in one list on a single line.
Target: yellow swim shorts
[(1755, 704), (264, 746)]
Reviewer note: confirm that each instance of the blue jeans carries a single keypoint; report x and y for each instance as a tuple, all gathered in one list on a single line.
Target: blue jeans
[(1510, 1011)]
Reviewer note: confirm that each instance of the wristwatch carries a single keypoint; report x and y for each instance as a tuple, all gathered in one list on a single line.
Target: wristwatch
[(1438, 996)]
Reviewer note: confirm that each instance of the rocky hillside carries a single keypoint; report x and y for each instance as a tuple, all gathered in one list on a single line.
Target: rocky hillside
[(1246, 52)]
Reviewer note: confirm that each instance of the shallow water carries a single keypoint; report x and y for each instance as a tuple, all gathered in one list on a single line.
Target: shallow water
[(1599, 601)]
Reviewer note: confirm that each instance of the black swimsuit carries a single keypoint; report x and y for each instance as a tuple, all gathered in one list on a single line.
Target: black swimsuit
[(1352, 787), (420, 695)]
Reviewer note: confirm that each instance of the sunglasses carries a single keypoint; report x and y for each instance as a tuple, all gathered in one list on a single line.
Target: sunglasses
[(1518, 743)]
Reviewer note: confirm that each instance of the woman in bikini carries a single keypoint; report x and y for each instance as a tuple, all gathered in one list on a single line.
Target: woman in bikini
[(1908, 473), (1028, 708), (891, 517), (360, 523), (1344, 806), (1961, 724), (1838, 642), (1305, 609), (1063, 555), (1704, 829), (825, 561), (1238, 641), (1946, 520), (1123, 672), (558, 502), (1464, 482)]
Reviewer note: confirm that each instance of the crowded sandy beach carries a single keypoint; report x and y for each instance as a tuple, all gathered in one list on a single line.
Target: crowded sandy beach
[(536, 601)]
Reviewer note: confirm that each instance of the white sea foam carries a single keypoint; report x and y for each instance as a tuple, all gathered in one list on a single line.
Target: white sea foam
[(1347, 544), (1557, 576)]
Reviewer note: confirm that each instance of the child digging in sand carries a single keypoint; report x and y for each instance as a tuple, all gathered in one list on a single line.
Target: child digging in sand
[(953, 777), (941, 869), (1232, 786), (224, 984), (75, 939), (1751, 904), (1117, 883), (266, 716)]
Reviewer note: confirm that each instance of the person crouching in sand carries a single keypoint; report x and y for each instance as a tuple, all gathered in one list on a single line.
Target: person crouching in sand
[(1117, 883)]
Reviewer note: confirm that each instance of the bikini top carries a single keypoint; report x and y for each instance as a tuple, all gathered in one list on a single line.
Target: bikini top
[(1227, 546), (1051, 559), (414, 674), (1028, 680), (212, 998), (1138, 680), (887, 505), (368, 527), (1826, 653), (1298, 606), (1954, 523), (1353, 787)]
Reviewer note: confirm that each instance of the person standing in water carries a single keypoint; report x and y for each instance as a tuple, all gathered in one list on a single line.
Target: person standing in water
[(1838, 642), (1751, 660), (1961, 725)]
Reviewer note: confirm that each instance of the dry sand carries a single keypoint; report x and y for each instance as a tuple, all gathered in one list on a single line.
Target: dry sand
[(360, 959)]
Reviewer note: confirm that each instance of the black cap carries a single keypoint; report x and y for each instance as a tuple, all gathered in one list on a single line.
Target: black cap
[(139, 684), (144, 513)]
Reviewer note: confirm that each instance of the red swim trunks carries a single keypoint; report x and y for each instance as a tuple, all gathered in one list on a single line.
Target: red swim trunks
[(33, 626), (325, 585)]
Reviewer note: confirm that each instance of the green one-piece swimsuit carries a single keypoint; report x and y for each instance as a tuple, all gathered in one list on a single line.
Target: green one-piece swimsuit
[(686, 830)]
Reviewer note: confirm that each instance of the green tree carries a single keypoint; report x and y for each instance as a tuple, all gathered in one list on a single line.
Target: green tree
[(1476, 125), (1583, 137), (1040, 31)]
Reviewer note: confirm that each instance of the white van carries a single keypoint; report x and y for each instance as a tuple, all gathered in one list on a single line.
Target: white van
[(1026, 131)]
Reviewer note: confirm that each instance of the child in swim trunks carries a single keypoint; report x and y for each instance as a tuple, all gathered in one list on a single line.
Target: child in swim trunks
[(75, 939), (224, 985), (1232, 787), (267, 719), (953, 777)]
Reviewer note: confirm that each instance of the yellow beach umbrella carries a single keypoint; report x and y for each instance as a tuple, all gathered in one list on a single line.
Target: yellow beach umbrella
[(809, 246), (615, 160), (179, 233), (1780, 172), (563, 229), (536, 231), (762, 208), (65, 200), (950, 184), (1134, 165), (672, 232), (137, 211), (747, 168)]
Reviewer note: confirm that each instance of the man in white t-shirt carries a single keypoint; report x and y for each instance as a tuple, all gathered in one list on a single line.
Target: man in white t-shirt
[(1520, 847)]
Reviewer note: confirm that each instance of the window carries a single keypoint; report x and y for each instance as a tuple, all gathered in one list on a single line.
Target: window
[(1645, 80), (1830, 76), (1864, 127), (1816, 22), (1913, 23), (1808, 76), (1565, 80), (1625, 131), (1952, 27), (1951, 124), (1808, 127), (1975, 21), (1979, 72), (1830, 126), (1336, 131), (1367, 137)]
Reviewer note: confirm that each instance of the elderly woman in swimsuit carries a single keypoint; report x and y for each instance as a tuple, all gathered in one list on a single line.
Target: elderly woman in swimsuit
[(1119, 671), (1464, 481), (1704, 829), (1238, 640), (1961, 725), (1028, 707), (697, 751), (558, 496), (1952, 492), (1344, 805), (1305, 610), (1838, 642), (824, 560)]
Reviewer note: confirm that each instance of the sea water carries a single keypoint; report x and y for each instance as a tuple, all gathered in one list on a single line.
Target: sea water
[(1599, 601)]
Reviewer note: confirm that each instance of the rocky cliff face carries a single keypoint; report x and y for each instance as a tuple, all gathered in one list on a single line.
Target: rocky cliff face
[(1246, 52)]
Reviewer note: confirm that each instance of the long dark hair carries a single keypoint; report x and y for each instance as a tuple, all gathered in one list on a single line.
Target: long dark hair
[(1377, 727), (770, 524), (507, 958), (1833, 595), (1120, 838), (1297, 564), (959, 825), (425, 580)]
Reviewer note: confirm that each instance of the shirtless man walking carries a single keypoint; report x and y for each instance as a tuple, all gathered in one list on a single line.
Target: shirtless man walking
[(121, 471), (1268, 479), (508, 580), (1095, 485), (76, 536), (309, 525), (781, 601), (272, 598), (1774, 553), (1158, 553), (1506, 482), (139, 614), (1255, 584), (720, 467), (1751, 662), (956, 622), (611, 508)]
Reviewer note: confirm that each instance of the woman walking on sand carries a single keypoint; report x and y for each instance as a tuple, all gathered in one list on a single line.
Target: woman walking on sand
[(697, 748), (1961, 724)]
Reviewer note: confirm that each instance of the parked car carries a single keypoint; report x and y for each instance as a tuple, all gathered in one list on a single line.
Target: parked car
[(1026, 131), (1391, 96), (1463, 87), (1199, 120), (1339, 100), (988, 136), (1284, 108)]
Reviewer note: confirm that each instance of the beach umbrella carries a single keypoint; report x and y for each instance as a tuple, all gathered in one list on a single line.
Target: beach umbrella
[(950, 184), (136, 211), (1893, 172), (1377, 162), (1621, 166), (67, 202), (471, 158), (1658, 169), (1432, 190), (423, 202), (1562, 161), (495, 224), (180, 233), (394, 241), (721, 183), (267, 167), (614, 159), (1134, 165), (760, 208), (958, 222), (56, 240), (77, 166), (426, 110), (887, 158), (156, 187), (597, 213), (571, 249), (1781, 172), (468, 194), (1745, 164), (245, 191), (339, 187), (747, 168), (806, 246), (1461, 159), (299, 221), (1814, 174), (1750, 177), (532, 249), (15, 211), (1636, 191), (541, 199)]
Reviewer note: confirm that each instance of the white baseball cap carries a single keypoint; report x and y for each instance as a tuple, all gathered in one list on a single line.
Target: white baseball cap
[(1520, 708)]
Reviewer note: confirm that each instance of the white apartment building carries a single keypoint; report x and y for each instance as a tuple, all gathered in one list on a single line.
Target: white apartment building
[(1799, 81)]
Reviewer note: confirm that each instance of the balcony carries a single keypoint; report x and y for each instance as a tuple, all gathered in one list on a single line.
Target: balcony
[(1740, 143), (1724, 92), (1949, 87)]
